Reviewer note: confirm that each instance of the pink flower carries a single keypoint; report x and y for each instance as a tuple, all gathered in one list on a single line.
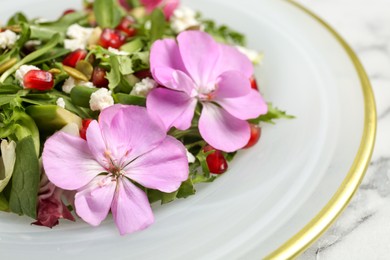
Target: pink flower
[(124, 150), (197, 69), (50, 206), (168, 6)]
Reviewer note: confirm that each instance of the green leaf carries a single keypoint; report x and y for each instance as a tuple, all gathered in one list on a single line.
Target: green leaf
[(114, 75), (129, 99), (140, 60), (17, 18), (45, 31), (107, 13), (273, 114), (5, 99), (25, 179), (3, 203), (158, 25), (133, 46), (186, 189), (125, 65), (51, 55)]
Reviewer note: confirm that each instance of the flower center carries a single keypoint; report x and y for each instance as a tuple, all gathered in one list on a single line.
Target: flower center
[(207, 93)]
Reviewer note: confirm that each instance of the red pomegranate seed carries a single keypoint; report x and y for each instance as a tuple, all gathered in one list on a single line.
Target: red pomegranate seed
[(83, 131), (215, 161), (111, 38), (255, 136), (72, 58), (98, 77), (69, 11), (39, 80), (127, 26), (143, 74), (254, 83)]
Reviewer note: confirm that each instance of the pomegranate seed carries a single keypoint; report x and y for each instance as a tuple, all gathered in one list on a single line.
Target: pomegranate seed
[(83, 131), (254, 83), (72, 58), (143, 74), (255, 136), (69, 11), (215, 161), (98, 77), (111, 38), (126, 26), (39, 80)]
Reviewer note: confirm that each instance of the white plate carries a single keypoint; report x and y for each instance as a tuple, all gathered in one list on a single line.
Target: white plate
[(270, 192)]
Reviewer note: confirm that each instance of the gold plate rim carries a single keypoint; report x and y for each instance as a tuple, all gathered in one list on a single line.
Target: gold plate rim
[(333, 209)]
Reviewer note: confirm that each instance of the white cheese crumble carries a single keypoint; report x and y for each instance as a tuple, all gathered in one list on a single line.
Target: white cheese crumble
[(254, 56), (71, 82), (143, 87), (117, 52), (79, 37), (101, 99), (190, 157), (8, 39), (183, 18), (60, 102), (19, 74)]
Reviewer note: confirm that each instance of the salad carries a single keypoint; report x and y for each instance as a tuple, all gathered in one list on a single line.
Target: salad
[(120, 105)]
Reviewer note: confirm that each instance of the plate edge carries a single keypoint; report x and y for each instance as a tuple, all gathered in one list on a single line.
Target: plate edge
[(340, 200)]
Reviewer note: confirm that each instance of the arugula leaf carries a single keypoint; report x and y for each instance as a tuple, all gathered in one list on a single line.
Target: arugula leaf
[(273, 114), (186, 189), (158, 25), (114, 75), (223, 33), (16, 19), (125, 65), (45, 31), (107, 13), (25, 179)]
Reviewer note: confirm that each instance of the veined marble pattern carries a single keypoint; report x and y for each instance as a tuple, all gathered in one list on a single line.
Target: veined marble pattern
[(363, 231)]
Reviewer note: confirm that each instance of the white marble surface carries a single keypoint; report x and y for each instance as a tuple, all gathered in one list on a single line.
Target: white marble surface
[(363, 231)]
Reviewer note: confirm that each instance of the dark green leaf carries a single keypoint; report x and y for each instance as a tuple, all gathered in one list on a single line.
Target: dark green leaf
[(186, 189), (3, 203), (107, 13), (16, 19), (273, 114), (158, 25), (25, 179)]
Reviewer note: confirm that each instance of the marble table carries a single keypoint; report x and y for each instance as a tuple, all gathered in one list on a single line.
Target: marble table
[(363, 230)]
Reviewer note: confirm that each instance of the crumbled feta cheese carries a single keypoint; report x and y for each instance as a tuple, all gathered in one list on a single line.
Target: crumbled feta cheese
[(254, 56), (101, 99), (19, 74), (148, 25), (190, 157), (79, 37), (183, 18), (118, 52), (8, 39), (143, 88), (71, 82), (60, 102), (74, 44)]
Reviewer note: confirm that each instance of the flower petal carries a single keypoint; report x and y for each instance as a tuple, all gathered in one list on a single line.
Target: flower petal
[(165, 58), (130, 208), (174, 108), (200, 54), (164, 168), (68, 161), (222, 130), (132, 132), (246, 107), (232, 84), (232, 59), (96, 144), (93, 202)]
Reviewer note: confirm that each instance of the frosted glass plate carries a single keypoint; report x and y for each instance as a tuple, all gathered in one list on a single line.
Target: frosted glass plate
[(270, 192)]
